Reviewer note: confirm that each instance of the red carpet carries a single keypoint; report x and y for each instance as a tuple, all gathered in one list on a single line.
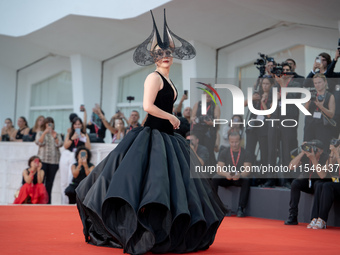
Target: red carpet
[(26, 229)]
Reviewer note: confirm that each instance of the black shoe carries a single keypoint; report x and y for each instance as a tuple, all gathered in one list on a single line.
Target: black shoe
[(292, 220), (240, 212)]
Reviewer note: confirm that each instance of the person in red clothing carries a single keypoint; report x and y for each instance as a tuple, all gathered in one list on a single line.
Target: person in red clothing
[(33, 190)]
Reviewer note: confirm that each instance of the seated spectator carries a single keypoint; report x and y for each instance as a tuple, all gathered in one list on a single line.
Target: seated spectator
[(133, 121), (185, 122), (49, 142), (238, 161), (80, 170), (311, 157), (200, 150), (34, 130), (74, 139), (96, 127), (32, 190), (118, 130), (322, 108), (23, 130), (7, 131), (326, 192), (227, 129)]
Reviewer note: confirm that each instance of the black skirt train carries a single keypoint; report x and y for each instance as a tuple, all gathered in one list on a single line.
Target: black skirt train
[(144, 197)]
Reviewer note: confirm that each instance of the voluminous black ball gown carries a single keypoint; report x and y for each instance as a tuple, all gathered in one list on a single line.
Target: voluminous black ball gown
[(145, 197)]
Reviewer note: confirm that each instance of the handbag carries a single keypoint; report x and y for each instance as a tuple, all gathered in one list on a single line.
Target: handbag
[(328, 121)]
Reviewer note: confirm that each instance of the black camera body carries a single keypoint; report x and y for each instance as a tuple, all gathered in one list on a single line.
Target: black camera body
[(261, 63), (309, 147), (277, 70), (201, 119), (314, 95), (335, 142)]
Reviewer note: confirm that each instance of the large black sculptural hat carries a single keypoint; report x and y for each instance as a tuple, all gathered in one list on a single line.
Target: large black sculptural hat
[(180, 48)]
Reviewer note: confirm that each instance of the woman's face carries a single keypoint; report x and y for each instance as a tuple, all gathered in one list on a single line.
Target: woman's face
[(40, 121), (21, 123), (266, 85), (119, 124), (77, 124), (8, 123), (163, 58), (319, 84)]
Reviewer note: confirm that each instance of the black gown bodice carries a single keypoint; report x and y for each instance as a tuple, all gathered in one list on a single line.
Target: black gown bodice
[(165, 101)]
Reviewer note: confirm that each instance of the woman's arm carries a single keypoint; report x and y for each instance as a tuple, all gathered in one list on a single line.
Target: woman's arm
[(28, 177), (76, 169), (152, 85), (67, 142), (106, 123), (41, 174), (88, 143)]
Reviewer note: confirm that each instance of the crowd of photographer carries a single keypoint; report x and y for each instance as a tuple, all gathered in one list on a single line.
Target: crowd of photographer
[(233, 146)]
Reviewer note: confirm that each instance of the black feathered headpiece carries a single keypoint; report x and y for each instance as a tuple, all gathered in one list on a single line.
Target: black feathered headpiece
[(143, 55)]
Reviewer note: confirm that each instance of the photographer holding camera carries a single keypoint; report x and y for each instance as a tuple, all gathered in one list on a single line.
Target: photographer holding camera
[(311, 163), (322, 108), (203, 125), (282, 139)]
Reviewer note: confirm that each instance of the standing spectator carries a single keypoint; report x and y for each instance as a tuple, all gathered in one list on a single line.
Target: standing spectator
[(7, 131), (49, 142), (80, 170), (315, 158), (133, 121), (238, 160), (34, 130), (321, 64), (291, 62), (317, 126), (74, 139), (260, 134), (203, 125), (283, 139), (178, 109), (185, 122), (23, 130), (298, 78), (118, 128), (96, 127), (32, 190)]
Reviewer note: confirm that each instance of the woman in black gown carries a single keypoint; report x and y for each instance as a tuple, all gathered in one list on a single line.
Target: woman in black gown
[(144, 196)]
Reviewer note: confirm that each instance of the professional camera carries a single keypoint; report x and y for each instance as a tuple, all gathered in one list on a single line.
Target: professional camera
[(201, 119), (308, 147), (335, 142), (261, 63), (277, 70), (314, 95)]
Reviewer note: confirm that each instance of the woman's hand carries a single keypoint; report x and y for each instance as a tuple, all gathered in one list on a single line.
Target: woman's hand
[(75, 136), (174, 121)]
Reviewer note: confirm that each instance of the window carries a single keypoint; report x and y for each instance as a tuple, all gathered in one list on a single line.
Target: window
[(53, 97)]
